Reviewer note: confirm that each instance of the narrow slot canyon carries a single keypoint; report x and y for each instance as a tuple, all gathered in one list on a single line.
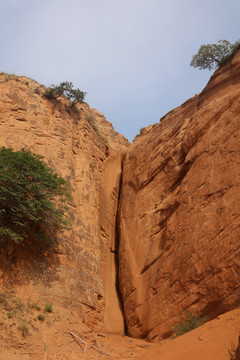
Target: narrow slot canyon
[(117, 240), (110, 193), (154, 235)]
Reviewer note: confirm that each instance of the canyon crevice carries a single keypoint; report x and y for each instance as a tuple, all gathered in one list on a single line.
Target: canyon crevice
[(155, 224), (179, 215)]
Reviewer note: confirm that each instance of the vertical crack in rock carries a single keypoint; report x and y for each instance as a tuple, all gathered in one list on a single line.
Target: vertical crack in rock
[(117, 241), (110, 193)]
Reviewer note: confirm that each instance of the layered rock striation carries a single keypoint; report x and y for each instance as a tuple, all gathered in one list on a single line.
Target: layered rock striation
[(155, 225), (179, 215), (78, 145)]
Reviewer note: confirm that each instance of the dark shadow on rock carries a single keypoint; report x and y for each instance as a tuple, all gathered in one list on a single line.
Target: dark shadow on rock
[(31, 260)]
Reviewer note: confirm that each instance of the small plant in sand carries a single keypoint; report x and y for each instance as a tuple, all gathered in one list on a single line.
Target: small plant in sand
[(191, 321), (18, 305), (41, 317), (48, 308), (3, 299), (34, 306)]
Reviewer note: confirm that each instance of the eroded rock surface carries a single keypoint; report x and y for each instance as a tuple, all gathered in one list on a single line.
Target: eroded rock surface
[(78, 146), (172, 244), (179, 216)]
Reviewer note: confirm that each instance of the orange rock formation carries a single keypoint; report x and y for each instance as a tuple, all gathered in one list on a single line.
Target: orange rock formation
[(155, 225), (179, 217), (78, 146)]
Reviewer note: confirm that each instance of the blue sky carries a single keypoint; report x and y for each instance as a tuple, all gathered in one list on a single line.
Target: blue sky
[(130, 56)]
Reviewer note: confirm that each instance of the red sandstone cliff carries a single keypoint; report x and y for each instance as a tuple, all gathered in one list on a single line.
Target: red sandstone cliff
[(179, 216), (177, 240), (77, 271)]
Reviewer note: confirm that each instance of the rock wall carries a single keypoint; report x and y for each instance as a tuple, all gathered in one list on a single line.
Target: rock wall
[(179, 215), (170, 245), (77, 145)]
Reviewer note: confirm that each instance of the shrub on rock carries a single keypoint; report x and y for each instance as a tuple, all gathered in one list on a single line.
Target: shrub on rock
[(33, 199)]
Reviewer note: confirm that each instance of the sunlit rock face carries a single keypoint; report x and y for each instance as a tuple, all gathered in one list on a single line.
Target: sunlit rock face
[(154, 225), (78, 145), (179, 215)]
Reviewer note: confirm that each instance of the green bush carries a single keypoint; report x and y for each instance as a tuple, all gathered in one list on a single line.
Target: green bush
[(65, 89), (190, 322), (32, 197)]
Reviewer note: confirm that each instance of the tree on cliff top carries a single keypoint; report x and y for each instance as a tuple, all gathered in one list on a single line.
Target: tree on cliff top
[(65, 89), (32, 197), (211, 56)]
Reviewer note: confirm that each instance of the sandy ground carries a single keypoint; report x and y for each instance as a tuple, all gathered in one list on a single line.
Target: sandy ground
[(52, 341), (211, 341)]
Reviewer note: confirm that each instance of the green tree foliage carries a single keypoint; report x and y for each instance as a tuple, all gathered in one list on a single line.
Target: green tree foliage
[(65, 89), (33, 199), (211, 56)]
